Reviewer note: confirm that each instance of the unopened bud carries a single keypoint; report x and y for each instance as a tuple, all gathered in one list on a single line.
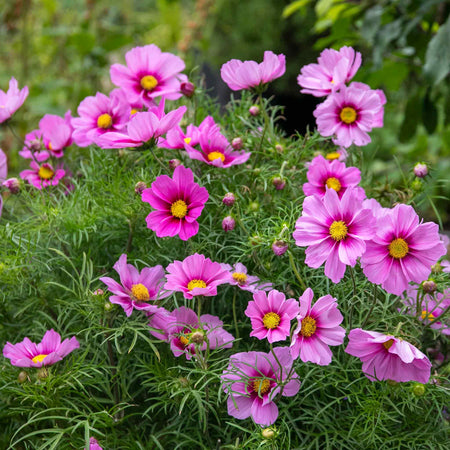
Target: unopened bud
[(254, 206), (254, 110), (268, 433), (108, 306), (173, 163), (420, 170), (22, 377), (279, 183), (98, 292), (418, 389), (255, 240), (198, 337), (228, 224), (436, 268), (35, 146), (229, 199), (429, 286), (417, 185), (279, 148), (187, 89), (12, 184), (280, 247), (42, 373), (236, 143), (140, 187)]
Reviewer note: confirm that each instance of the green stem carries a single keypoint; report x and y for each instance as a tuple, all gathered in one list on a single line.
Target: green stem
[(235, 315), (294, 269), (352, 306), (266, 122), (374, 301)]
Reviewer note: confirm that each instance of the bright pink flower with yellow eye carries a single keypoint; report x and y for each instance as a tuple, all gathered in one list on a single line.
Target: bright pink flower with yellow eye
[(42, 176), (56, 133), (12, 100), (49, 351)]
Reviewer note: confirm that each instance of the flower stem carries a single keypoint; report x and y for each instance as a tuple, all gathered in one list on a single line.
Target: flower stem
[(374, 301), (235, 316), (294, 269), (350, 315)]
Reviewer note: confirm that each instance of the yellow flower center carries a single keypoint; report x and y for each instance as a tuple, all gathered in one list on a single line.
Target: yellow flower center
[(196, 284), (388, 344), (184, 340), (178, 209), (338, 230), (261, 386), (348, 115), (216, 155), (39, 358), (45, 173), (308, 326), (149, 82), (134, 111), (398, 248), (427, 315), (187, 140), (50, 146), (240, 277), (140, 292), (271, 320), (332, 155), (104, 121), (333, 183)]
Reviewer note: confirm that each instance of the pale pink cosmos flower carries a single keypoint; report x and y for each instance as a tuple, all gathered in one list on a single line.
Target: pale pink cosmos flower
[(386, 357), (136, 290), (335, 230), (402, 250), (42, 176), (350, 114), (254, 379), (323, 174), (149, 74), (34, 147), (445, 266), (99, 115), (178, 201), (240, 75), (377, 210), (12, 100), (196, 275), (56, 133), (271, 314), (186, 333), (238, 276), (159, 321), (49, 351), (333, 69)]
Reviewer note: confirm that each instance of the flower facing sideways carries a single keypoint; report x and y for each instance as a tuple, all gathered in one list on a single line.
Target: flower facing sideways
[(12, 100), (239, 277)]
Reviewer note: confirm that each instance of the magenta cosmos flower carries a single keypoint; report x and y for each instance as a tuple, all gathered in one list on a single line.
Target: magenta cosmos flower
[(335, 230), (196, 275), (254, 379), (94, 445), (159, 321), (323, 174), (49, 351), (386, 357), (136, 288), (350, 114), (249, 74), (333, 69), (239, 277), (56, 133), (42, 176), (178, 201), (271, 315), (318, 328), (186, 333), (12, 100), (402, 250), (99, 115), (149, 74)]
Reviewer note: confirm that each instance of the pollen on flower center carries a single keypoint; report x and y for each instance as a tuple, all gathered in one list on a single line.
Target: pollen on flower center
[(308, 327), (179, 209), (133, 111), (187, 140), (427, 315), (196, 284), (240, 277), (348, 115), (39, 358), (184, 340), (149, 82), (388, 344), (333, 183), (332, 155), (45, 173), (50, 146), (338, 230), (398, 248), (216, 155), (261, 385), (104, 121), (140, 292), (271, 320)]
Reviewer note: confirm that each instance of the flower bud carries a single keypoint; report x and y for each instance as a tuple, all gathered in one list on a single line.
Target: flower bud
[(140, 187), (236, 143), (187, 89), (228, 223), (108, 306), (436, 268), (254, 206), (198, 337), (417, 185), (22, 377), (279, 183), (229, 199), (42, 373), (98, 292), (418, 389), (280, 247), (254, 110), (279, 148), (255, 240), (429, 286), (35, 146), (173, 163), (420, 170), (12, 184), (268, 433)]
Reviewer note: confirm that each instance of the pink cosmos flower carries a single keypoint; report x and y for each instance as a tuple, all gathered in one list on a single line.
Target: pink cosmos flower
[(94, 445), (49, 351), (136, 290), (178, 201), (186, 333), (56, 133), (334, 69), (445, 266), (402, 250), (143, 127), (341, 154), (99, 115), (323, 174), (271, 315), (12, 100), (159, 321), (318, 328), (254, 379), (34, 147), (350, 114), (377, 210), (42, 176), (335, 230), (386, 357), (238, 276), (149, 74), (249, 74), (196, 275)]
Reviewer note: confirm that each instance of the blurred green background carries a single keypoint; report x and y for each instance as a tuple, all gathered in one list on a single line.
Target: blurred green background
[(62, 50)]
